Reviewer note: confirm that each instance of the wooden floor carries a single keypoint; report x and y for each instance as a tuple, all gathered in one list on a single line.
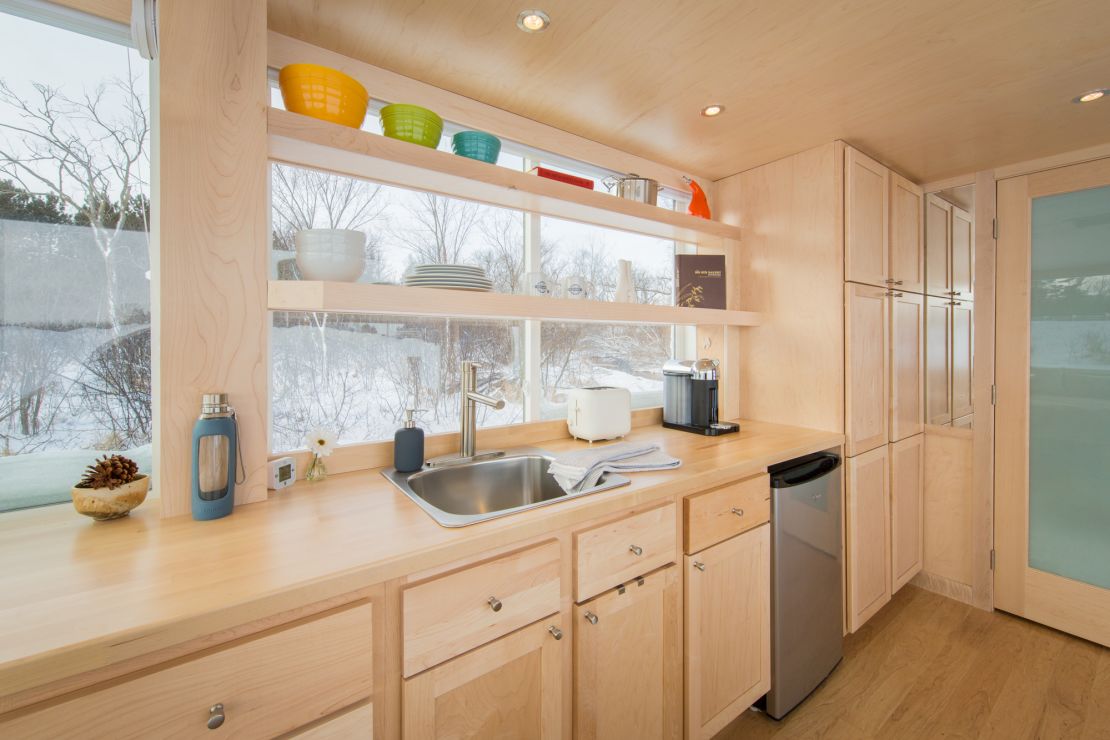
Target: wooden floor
[(929, 667)]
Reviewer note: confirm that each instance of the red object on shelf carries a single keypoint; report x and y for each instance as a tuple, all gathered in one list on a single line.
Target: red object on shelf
[(581, 182), (699, 204)]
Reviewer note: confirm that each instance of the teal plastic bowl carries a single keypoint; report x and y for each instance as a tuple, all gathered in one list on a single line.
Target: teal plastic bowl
[(412, 123), (476, 145)]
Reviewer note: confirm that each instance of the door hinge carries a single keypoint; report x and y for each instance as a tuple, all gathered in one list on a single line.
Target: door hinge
[(992, 559), (994, 227), (994, 394)]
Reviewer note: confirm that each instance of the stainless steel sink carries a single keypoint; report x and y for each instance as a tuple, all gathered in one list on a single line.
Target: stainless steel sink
[(472, 492)]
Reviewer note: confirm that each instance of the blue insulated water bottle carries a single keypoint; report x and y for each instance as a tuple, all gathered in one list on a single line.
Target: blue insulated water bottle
[(215, 444)]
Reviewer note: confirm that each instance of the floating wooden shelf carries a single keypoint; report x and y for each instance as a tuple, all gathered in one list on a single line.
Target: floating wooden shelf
[(309, 295), (309, 142)]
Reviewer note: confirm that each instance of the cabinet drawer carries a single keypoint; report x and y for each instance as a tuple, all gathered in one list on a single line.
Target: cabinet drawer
[(616, 552), (450, 614), (715, 515), (268, 684)]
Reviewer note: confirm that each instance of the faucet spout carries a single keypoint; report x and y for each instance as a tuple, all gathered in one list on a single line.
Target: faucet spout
[(468, 412), (497, 403)]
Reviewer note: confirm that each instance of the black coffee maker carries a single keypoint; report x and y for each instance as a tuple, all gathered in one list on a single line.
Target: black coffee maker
[(690, 397)]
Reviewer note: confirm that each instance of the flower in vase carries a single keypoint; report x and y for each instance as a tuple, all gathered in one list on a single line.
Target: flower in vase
[(320, 441)]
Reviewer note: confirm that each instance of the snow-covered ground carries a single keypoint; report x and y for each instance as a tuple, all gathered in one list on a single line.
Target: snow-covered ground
[(41, 478)]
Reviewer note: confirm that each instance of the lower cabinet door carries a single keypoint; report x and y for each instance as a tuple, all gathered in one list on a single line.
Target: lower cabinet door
[(907, 509), (509, 688), (868, 535), (728, 630), (628, 661)]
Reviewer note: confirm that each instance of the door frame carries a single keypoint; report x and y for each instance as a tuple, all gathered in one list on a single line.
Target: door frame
[(1072, 606)]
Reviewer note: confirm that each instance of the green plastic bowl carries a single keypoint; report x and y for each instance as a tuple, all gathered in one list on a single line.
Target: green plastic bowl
[(412, 123), (476, 145)]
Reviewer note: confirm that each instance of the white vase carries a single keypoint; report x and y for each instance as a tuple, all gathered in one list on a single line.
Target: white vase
[(626, 291)]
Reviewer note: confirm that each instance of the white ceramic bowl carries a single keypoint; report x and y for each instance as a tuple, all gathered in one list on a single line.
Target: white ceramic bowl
[(331, 254)]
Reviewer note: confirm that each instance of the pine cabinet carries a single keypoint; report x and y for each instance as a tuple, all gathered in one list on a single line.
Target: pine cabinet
[(867, 535), (882, 226), (728, 630), (938, 361), (865, 358), (907, 502), (509, 688), (962, 330), (907, 364), (938, 250), (963, 260), (628, 660), (907, 258), (866, 192)]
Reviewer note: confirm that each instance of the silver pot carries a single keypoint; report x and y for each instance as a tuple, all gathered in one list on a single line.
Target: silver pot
[(634, 187)]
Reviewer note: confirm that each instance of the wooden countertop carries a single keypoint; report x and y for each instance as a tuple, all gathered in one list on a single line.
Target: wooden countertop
[(77, 595)]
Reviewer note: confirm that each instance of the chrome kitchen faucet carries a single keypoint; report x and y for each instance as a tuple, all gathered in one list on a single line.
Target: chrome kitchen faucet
[(469, 398)]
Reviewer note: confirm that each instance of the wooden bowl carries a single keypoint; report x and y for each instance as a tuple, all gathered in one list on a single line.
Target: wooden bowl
[(110, 503)]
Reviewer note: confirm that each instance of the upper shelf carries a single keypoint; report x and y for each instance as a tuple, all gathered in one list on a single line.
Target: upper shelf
[(309, 142), (310, 295)]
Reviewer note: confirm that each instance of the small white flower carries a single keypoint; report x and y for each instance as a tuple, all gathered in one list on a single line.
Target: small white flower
[(320, 441)]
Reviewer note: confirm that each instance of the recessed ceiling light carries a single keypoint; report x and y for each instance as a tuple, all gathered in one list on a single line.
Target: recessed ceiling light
[(532, 21), (712, 110), (1090, 96)]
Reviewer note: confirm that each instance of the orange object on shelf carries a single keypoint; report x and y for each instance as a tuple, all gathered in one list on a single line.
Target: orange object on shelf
[(699, 204), (324, 93)]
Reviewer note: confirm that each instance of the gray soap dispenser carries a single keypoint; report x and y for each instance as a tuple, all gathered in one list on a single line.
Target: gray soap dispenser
[(408, 445)]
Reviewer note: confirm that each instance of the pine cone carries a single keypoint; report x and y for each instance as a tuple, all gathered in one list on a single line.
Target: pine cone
[(109, 472)]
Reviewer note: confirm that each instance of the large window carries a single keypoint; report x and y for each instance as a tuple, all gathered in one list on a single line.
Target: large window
[(357, 374), (75, 362)]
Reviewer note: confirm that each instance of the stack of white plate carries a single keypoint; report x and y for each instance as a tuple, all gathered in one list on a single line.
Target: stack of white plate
[(455, 277)]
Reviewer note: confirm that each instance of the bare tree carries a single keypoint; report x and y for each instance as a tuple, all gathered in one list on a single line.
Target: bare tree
[(442, 228), (309, 199), (93, 161), (503, 255)]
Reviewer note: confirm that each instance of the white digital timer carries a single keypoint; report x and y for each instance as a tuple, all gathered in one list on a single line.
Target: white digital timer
[(283, 472)]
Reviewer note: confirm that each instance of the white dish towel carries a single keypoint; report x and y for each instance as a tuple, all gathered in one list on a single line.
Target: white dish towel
[(581, 469)]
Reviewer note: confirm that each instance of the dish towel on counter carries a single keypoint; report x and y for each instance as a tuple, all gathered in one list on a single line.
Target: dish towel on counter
[(581, 469)]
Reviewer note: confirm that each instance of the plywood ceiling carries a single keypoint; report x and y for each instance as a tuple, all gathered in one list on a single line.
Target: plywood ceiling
[(934, 88)]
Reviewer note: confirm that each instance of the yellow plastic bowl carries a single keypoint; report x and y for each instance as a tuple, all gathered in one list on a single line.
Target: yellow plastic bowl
[(324, 93)]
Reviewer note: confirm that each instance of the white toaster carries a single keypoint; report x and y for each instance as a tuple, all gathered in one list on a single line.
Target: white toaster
[(599, 413)]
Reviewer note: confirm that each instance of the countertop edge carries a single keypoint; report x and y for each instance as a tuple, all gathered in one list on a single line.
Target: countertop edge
[(37, 671)]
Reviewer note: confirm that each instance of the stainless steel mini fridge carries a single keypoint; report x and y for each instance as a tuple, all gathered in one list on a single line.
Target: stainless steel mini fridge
[(807, 607)]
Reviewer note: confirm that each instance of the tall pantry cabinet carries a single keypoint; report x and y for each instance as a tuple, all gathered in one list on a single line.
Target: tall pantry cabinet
[(884, 353), (950, 256)]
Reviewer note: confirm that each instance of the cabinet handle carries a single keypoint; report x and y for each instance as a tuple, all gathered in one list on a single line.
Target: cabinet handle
[(590, 617), (892, 281), (494, 603), (636, 550), (894, 294), (216, 716), (737, 512), (699, 566), (955, 303), (555, 632)]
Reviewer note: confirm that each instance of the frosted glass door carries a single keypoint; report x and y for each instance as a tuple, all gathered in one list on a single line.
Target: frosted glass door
[(1069, 386)]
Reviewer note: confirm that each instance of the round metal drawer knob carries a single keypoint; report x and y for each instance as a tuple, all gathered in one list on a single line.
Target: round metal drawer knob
[(590, 617), (636, 550), (555, 632), (699, 566), (494, 603), (216, 716), (737, 512)]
